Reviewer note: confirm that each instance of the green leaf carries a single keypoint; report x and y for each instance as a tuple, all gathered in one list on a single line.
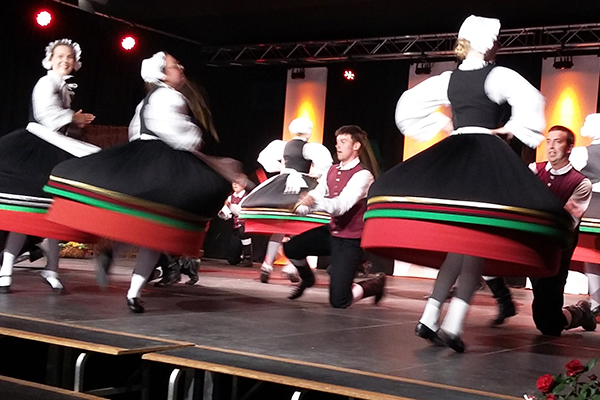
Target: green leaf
[(591, 364)]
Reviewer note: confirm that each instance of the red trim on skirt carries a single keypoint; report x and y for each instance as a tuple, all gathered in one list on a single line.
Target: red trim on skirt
[(427, 243), (37, 224), (587, 250), (285, 227), (126, 228)]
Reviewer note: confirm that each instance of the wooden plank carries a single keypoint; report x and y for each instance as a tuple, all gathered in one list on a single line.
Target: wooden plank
[(312, 376), (83, 338), (17, 389)]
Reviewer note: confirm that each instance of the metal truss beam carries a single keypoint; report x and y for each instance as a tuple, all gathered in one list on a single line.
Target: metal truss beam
[(433, 46)]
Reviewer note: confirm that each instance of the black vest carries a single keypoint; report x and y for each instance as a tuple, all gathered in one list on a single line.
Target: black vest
[(293, 158), (470, 104)]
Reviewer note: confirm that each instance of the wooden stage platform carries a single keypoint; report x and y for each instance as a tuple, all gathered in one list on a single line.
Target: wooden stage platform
[(230, 336)]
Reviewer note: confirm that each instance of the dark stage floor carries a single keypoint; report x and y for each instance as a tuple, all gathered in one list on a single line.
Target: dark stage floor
[(230, 309)]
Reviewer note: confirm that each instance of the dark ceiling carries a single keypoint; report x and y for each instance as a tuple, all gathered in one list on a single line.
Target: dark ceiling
[(229, 22)]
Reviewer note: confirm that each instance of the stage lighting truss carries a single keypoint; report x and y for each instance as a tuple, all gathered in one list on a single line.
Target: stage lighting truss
[(412, 47)]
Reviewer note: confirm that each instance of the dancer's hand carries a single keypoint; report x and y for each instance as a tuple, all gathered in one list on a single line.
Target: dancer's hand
[(503, 134), (82, 119)]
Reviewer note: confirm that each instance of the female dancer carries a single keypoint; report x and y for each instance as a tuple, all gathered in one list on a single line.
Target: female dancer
[(469, 201), (154, 192), (269, 208), (28, 155), (587, 161)]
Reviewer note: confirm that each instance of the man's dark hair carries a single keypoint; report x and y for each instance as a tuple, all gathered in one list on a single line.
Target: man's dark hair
[(570, 134)]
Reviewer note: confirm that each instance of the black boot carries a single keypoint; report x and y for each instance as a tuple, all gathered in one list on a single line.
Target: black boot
[(374, 287), (190, 268), (307, 279), (246, 256), (171, 275), (104, 261), (506, 307), (581, 315)]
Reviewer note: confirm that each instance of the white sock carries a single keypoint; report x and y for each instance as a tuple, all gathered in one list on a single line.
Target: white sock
[(135, 289), (289, 268), (431, 314), (145, 262), (457, 311), (14, 244), (312, 261), (592, 271), (51, 250), (52, 278), (266, 267), (272, 248), (357, 292)]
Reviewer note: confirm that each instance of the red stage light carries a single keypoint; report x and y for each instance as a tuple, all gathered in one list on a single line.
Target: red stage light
[(349, 74), (43, 18), (128, 42)]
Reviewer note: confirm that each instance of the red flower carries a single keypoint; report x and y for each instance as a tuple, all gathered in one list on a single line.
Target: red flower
[(545, 383), (574, 367), (551, 397)]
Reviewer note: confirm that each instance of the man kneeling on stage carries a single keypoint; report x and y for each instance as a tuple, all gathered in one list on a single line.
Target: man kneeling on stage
[(343, 194)]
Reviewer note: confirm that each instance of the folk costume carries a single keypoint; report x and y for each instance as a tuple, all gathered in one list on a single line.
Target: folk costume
[(26, 158), (239, 250), (153, 192), (586, 257), (341, 193), (467, 205), (269, 207)]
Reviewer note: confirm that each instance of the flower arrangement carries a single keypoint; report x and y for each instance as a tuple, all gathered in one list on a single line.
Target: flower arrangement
[(567, 386), (73, 250)]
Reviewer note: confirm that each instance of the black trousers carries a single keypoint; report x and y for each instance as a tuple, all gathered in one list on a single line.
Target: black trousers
[(346, 258), (235, 249), (548, 295)]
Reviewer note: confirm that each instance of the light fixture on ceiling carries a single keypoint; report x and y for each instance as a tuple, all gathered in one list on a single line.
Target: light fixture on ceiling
[(562, 61), (423, 67), (298, 73)]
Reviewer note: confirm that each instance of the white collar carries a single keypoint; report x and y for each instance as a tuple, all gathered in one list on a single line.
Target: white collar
[(473, 63), (349, 165), (239, 194), (560, 171), (300, 138)]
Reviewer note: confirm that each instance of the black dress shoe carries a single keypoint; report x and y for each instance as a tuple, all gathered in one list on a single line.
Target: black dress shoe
[(505, 310), (298, 290), (453, 341), (425, 332), (5, 289), (135, 305)]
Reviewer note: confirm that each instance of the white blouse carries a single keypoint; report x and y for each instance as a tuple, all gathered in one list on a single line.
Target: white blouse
[(166, 114), (51, 99), (271, 158), (418, 116)]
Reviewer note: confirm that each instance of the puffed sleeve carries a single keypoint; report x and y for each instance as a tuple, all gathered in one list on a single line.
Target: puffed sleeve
[(166, 114), (320, 157), (527, 119), (417, 112), (47, 105), (270, 157)]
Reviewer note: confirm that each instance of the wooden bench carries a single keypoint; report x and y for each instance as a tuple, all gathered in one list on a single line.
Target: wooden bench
[(302, 375), (86, 342), (17, 389)]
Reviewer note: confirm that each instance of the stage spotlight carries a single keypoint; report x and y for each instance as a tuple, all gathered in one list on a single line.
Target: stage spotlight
[(563, 62), (298, 73), (128, 42), (349, 74), (43, 18), (423, 68)]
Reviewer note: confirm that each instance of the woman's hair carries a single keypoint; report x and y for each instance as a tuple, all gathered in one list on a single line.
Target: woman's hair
[(366, 156), (462, 48), (196, 100)]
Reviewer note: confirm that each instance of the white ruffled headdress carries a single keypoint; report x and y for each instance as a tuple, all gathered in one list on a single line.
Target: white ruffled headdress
[(301, 126), (62, 42), (480, 32), (591, 127), (153, 67)]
